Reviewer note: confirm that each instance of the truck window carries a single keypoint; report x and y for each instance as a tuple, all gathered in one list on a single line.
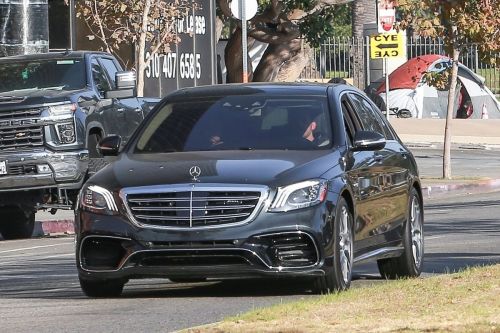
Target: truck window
[(53, 74), (110, 67), (99, 77)]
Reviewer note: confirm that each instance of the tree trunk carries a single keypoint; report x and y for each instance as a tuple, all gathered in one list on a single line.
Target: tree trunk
[(141, 51), (449, 116), (274, 58), (363, 11)]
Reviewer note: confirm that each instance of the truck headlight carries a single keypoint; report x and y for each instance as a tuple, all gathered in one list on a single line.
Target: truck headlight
[(300, 195), (98, 200), (62, 110), (66, 133)]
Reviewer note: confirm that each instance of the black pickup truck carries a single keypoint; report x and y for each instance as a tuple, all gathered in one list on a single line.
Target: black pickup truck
[(54, 109)]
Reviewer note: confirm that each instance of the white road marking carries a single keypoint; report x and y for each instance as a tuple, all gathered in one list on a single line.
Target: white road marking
[(35, 247), (434, 237), (39, 258)]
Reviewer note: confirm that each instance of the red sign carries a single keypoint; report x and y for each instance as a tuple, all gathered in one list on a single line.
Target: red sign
[(386, 15)]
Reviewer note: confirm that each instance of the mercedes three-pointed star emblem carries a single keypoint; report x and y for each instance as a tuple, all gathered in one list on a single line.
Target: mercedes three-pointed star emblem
[(195, 172)]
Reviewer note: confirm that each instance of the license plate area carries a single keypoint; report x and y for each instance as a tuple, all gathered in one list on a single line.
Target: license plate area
[(3, 167)]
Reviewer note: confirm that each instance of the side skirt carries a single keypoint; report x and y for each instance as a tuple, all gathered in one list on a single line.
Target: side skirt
[(386, 252)]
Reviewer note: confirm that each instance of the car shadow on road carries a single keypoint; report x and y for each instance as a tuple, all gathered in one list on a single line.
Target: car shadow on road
[(444, 263)]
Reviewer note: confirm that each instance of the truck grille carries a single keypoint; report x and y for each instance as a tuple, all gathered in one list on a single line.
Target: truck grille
[(20, 129), (195, 207)]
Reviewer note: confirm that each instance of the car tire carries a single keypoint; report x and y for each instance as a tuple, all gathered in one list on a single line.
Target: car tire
[(17, 223), (410, 263), (102, 288), (338, 277)]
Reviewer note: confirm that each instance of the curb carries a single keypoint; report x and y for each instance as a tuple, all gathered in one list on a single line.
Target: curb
[(54, 228), (439, 191)]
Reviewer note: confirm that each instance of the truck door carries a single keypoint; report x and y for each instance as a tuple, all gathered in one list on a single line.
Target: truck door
[(127, 110), (104, 112)]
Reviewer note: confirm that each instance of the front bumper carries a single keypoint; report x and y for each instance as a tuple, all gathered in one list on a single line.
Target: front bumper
[(67, 170), (274, 244)]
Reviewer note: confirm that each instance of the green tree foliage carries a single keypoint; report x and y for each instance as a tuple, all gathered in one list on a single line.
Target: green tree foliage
[(459, 23)]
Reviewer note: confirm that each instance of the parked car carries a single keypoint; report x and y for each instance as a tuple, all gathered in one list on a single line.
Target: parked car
[(255, 180), (54, 109)]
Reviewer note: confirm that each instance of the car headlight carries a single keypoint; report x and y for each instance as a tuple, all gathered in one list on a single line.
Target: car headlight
[(62, 110), (300, 195), (98, 200)]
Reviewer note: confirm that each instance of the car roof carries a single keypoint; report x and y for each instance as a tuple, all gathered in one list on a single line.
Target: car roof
[(51, 55), (295, 88)]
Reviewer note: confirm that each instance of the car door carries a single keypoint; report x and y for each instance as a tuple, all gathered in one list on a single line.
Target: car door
[(128, 110), (383, 182), (365, 177)]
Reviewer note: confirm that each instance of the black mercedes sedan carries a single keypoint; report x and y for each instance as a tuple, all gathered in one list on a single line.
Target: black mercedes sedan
[(252, 180)]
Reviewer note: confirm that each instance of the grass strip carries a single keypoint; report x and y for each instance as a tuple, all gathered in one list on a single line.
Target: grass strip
[(468, 301)]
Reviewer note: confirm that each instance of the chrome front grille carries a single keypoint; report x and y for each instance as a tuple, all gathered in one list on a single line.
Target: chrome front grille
[(21, 129), (193, 206)]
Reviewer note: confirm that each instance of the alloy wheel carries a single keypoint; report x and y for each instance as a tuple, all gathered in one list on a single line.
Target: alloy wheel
[(417, 240), (346, 245)]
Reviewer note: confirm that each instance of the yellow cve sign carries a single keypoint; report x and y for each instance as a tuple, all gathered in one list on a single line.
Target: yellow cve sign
[(386, 46)]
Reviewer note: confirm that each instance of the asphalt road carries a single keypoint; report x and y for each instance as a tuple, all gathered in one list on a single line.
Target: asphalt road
[(39, 288), (465, 163)]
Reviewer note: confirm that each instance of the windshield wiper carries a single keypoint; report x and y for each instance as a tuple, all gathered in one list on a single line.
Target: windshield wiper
[(54, 88)]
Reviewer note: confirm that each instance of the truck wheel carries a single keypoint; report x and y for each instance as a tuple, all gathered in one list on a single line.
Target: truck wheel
[(17, 223), (102, 288), (92, 142), (96, 160)]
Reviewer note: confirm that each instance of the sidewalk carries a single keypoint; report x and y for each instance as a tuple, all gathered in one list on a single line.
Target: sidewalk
[(483, 133), (416, 133)]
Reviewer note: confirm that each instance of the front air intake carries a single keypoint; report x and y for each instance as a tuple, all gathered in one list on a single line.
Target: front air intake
[(295, 249)]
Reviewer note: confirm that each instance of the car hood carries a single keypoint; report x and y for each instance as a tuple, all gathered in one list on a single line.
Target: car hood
[(33, 97), (272, 168)]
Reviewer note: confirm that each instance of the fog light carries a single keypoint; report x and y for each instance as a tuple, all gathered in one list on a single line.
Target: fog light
[(43, 168)]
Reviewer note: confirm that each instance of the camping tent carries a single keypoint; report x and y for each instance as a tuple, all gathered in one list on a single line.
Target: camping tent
[(408, 91)]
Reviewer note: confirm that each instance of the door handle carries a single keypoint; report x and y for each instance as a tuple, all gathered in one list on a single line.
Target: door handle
[(378, 158)]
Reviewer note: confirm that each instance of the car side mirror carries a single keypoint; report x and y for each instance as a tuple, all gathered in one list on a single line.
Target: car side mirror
[(125, 85), (368, 140), (125, 80), (110, 145)]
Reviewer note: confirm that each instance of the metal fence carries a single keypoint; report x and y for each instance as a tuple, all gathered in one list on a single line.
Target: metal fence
[(336, 58)]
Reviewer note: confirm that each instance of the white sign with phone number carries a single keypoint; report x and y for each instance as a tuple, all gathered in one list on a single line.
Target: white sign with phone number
[(166, 65)]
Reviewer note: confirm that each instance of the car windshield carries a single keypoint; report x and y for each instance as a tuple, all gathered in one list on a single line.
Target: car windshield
[(56, 74), (247, 122)]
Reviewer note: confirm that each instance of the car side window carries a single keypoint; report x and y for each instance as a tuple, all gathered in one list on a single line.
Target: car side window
[(349, 125), (110, 67), (389, 133), (366, 114), (99, 78)]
